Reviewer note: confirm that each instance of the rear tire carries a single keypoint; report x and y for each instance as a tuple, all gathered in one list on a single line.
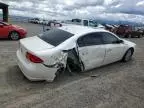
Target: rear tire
[(128, 55), (14, 35)]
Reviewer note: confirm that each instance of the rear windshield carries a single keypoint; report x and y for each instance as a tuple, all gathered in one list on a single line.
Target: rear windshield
[(55, 36)]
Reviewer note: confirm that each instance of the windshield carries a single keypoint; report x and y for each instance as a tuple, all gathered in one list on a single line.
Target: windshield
[(55, 36), (92, 24)]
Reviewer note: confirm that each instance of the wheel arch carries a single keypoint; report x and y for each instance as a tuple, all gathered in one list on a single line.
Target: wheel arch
[(131, 48), (13, 31), (73, 61)]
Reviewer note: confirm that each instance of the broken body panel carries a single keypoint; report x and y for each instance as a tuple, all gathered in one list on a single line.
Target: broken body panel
[(66, 56)]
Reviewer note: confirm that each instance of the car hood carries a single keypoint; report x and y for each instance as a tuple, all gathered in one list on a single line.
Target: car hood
[(35, 44)]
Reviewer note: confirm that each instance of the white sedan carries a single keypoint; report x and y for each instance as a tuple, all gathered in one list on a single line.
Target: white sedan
[(74, 48)]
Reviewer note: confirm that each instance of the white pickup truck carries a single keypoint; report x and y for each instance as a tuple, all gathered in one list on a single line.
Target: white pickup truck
[(86, 22)]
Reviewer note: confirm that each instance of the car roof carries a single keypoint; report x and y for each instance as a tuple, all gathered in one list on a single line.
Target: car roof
[(77, 29)]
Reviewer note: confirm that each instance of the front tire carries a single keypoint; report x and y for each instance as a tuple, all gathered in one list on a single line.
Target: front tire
[(14, 35), (128, 55)]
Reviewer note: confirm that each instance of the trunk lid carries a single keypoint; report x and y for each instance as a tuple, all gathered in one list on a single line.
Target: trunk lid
[(34, 44)]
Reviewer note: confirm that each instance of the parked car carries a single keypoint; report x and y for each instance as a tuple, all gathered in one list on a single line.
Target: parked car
[(40, 21), (109, 27), (71, 48), (86, 22), (10, 31), (137, 33), (124, 30), (34, 20), (129, 31), (54, 23), (45, 22), (31, 20)]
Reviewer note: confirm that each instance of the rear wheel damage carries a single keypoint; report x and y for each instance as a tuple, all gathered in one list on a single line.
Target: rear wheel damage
[(70, 64), (74, 63)]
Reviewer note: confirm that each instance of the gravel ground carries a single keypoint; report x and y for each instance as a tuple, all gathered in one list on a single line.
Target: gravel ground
[(118, 85)]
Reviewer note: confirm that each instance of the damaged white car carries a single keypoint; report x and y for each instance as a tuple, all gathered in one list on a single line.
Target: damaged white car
[(75, 48)]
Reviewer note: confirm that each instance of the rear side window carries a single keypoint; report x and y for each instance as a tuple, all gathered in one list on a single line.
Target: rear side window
[(55, 36)]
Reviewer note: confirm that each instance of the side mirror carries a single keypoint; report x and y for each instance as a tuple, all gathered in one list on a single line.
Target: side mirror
[(120, 41)]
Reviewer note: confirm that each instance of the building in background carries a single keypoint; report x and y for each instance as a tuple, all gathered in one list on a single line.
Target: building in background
[(4, 12)]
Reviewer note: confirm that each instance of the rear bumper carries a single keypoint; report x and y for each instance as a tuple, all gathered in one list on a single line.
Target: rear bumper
[(35, 72)]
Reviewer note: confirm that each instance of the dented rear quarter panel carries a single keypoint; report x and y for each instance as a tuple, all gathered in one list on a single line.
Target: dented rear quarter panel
[(53, 57)]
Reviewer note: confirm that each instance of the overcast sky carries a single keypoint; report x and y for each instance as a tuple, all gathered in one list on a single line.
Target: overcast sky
[(132, 10)]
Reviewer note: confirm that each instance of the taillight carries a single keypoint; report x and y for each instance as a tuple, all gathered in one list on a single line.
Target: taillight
[(33, 58)]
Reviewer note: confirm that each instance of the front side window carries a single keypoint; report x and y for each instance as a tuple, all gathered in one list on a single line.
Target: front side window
[(90, 40), (109, 38)]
